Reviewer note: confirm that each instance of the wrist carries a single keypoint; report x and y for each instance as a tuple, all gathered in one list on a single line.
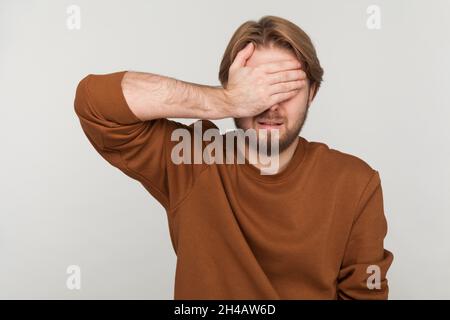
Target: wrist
[(217, 103)]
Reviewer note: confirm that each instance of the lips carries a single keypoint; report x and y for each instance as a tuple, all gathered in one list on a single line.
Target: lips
[(270, 123)]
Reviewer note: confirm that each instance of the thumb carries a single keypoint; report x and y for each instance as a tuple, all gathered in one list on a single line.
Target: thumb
[(243, 55)]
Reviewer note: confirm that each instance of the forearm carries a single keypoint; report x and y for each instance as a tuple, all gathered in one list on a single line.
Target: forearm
[(151, 96)]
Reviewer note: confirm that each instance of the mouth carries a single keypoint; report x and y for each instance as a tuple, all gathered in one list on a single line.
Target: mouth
[(270, 124)]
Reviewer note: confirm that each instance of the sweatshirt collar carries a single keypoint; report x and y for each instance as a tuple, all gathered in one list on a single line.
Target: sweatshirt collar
[(294, 163)]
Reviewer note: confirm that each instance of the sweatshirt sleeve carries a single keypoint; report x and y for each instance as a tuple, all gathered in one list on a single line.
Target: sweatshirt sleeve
[(366, 262), (140, 149)]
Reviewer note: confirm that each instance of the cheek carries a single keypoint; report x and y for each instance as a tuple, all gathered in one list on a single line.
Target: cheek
[(296, 107), (301, 99)]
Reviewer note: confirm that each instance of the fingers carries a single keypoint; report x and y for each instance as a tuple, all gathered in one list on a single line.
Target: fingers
[(242, 56), (282, 96), (287, 86), (278, 66), (284, 76)]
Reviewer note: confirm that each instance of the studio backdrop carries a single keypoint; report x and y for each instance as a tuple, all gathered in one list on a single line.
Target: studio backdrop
[(64, 211)]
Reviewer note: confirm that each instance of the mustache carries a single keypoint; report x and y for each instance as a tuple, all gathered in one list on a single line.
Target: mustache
[(272, 118), (269, 115)]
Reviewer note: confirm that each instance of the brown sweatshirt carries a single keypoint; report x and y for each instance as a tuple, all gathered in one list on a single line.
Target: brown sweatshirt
[(311, 231)]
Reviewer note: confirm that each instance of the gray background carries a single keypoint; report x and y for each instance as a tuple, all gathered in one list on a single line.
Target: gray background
[(385, 99)]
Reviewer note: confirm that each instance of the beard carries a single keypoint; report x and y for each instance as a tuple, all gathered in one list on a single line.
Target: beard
[(285, 139)]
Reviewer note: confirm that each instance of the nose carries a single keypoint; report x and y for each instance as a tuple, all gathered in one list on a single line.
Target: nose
[(274, 107)]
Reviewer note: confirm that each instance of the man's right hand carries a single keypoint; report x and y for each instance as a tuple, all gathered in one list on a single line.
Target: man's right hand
[(252, 90)]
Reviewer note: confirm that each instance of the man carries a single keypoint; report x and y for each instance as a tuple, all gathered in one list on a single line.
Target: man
[(312, 230)]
